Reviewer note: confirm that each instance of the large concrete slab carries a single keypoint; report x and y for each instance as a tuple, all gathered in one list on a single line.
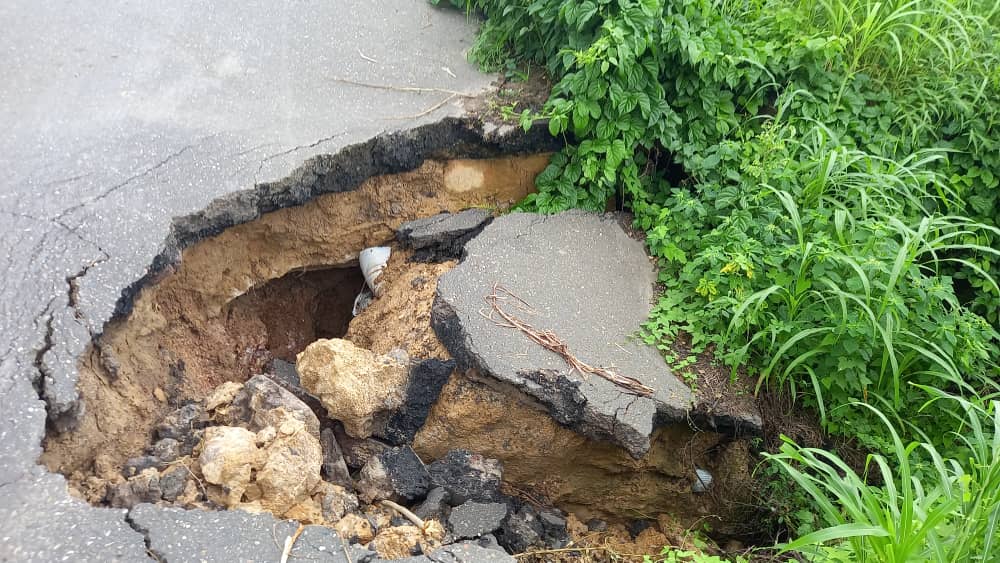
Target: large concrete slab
[(122, 115), (591, 285)]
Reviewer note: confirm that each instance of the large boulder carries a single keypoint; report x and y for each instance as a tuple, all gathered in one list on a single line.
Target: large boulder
[(356, 386)]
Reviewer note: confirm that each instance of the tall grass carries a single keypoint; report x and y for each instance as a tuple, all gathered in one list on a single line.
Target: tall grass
[(946, 512)]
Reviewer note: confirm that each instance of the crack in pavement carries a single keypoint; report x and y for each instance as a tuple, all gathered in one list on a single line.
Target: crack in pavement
[(145, 538), (266, 159), (126, 182)]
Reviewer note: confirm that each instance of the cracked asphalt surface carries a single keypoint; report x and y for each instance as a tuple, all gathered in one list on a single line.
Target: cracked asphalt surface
[(122, 115)]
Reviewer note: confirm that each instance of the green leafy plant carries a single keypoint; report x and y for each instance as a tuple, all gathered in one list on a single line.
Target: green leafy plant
[(948, 514)]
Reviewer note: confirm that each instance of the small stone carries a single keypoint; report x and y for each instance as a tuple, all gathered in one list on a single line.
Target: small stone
[(355, 385), (144, 487), (172, 483), (636, 527), (337, 502), (436, 506), (357, 451), (473, 519), (554, 526), (167, 450), (418, 282), (266, 435), (222, 395), (191, 495), (160, 395), (521, 530), (180, 423), (396, 474), (228, 455), (136, 465), (467, 476), (307, 512), (353, 528), (334, 466), (284, 374), (597, 525), (262, 403), (289, 466)]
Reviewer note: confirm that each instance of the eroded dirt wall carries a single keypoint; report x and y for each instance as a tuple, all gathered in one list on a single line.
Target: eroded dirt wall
[(184, 335)]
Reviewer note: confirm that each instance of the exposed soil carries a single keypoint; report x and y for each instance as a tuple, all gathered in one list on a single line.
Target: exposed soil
[(512, 95), (266, 289), (185, 336)]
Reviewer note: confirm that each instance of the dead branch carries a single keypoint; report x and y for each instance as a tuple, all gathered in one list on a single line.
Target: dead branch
[(550, 341)]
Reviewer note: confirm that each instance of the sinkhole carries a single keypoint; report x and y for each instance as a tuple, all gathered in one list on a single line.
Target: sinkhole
[(240, 300)]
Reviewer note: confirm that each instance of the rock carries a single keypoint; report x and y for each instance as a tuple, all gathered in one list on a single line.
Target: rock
[(334, 466), (256, 405), (521, 530), (473, 519), (357, 451), (136, 465), (427, 378), (355, 385), (436, 506), (167, 450), (555, 534), (284, 374), (290, 465), (467, 476), (308, 512), (337, 502), (442, 237), (180, 423), (597, 525), (592, 286), (172, 483), (402, 541), (636, 527), (354, 529), (468, 552), (227, 457), (222, 395), (396, 474), (144, 487)]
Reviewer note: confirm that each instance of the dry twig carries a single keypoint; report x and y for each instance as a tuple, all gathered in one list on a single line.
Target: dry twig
[(289, 542), (417, 521), (550, 341)]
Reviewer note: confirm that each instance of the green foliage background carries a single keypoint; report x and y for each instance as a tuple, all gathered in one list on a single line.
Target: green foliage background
[(819, 179)]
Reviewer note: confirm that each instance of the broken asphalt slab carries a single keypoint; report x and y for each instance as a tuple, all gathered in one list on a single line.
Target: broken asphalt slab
[(135, 129), (583, 278)]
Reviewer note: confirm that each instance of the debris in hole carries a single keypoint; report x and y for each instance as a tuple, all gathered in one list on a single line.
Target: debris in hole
[(474, 519), (703, 480), (443, 236), (372, 261), (356, 386)]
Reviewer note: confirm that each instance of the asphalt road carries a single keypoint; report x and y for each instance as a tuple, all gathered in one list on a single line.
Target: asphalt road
[(118, 116)]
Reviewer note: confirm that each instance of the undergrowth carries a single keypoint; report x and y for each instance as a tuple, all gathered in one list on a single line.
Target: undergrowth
[(820, 182), (834, 227)]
